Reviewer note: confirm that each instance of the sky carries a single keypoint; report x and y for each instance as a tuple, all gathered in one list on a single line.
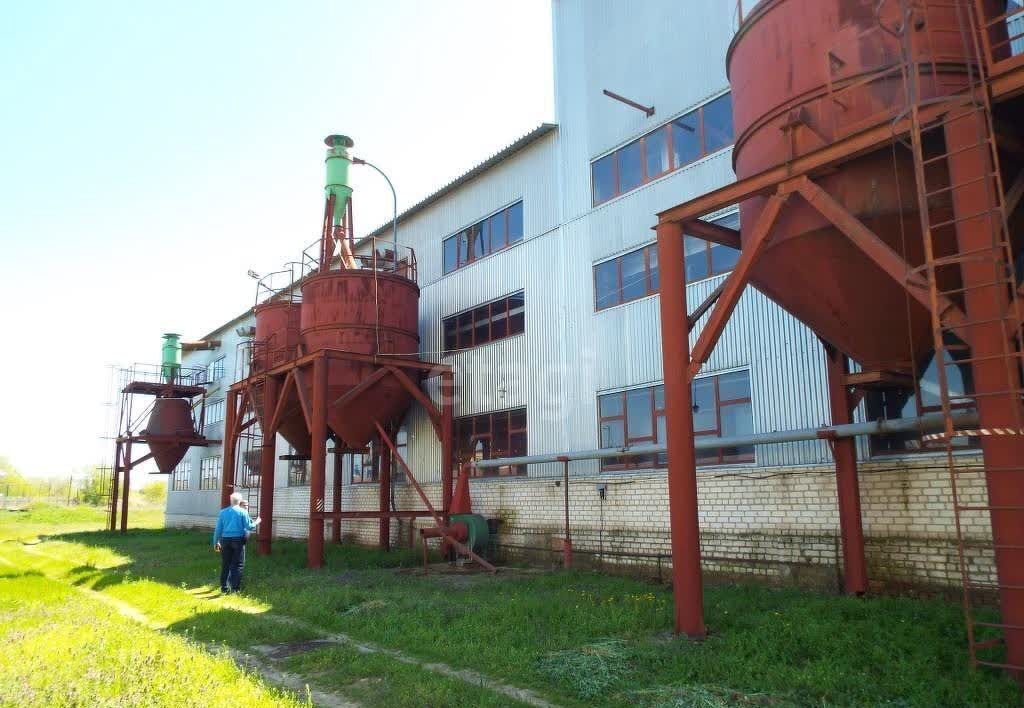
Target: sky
[(153, 153)]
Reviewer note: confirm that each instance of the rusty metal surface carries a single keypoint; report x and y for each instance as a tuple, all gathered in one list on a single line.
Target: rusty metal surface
[(839, 74), (363, 312)]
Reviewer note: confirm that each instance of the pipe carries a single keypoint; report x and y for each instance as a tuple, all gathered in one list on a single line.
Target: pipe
[(932, 421), (171, 357), (394, 205)]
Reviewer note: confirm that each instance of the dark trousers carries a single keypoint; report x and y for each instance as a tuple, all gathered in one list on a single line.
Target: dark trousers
[(232, 561)]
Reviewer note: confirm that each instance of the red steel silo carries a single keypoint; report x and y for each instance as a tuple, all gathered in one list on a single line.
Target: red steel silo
[(361, 311), (821, 65), (276, 342)]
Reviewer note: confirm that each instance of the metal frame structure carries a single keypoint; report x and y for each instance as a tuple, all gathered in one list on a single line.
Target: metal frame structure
[(155, 381), (964, 120)]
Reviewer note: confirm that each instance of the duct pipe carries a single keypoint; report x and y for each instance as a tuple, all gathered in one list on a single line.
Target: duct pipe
[(336, 164), (932, 421), (171, 357), (394, 205)]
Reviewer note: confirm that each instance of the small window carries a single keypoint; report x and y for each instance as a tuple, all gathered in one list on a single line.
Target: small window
[(492, 435), (631, 171), (685, 139), (606, 284), (603, 177), (215, 370), (214, 412), (656, 161), (451, 254), (495, 320), (209, 473), (704, 259), (718, 123), (181, 476), (515, 223)]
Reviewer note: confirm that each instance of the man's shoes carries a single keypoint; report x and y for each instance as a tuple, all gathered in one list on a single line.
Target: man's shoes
[(224, 591)]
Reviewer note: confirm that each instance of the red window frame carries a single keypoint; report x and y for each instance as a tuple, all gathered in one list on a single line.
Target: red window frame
[(704, 457), (474, 429), (617, 190), (650, 277), (455, 327), (479, 228)]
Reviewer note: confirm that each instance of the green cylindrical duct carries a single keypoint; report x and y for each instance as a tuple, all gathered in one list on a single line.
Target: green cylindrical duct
[(337, 163), (171, 361)]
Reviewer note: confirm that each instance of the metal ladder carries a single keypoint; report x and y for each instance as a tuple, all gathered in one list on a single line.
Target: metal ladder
[(969, 109)]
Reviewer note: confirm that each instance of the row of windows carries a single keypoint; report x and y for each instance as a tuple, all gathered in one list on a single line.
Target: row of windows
[(209, 472), (489, 436), (501, 318), (634, 275), (214, 412), (669, 147), (484, 238)]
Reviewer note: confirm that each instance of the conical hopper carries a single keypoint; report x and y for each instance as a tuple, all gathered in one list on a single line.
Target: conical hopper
[(171, 418), (291, 426), (839, 75)]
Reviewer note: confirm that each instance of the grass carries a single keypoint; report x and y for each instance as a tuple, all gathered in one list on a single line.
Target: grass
[(577, 638)]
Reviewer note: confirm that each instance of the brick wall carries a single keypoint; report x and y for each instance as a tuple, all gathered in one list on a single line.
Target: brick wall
[(779, 524)]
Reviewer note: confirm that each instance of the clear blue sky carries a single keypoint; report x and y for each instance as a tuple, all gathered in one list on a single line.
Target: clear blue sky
[(152, 153)]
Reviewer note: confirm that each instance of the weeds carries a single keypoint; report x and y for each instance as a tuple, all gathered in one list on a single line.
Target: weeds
[(590, 670)]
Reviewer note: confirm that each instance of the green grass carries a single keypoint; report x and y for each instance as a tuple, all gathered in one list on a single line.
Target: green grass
[(60, 648), (577, 638)]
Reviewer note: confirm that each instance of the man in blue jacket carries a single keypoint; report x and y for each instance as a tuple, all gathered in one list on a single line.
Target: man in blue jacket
[(233, 528)]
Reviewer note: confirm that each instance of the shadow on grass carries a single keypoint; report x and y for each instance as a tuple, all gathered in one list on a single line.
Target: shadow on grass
[(20, 575)]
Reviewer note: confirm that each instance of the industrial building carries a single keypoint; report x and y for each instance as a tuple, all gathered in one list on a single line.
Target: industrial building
[(539, 284)]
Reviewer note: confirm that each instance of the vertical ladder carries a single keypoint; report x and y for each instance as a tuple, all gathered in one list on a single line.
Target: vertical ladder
[(988, 283)]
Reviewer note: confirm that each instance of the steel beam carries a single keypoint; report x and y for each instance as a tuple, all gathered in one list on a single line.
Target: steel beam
[(336, 491), (227, 478), (687, 583), (844, 452), (996, 372), (384, 492), (268, 463), (318, 464), (447, 440), (735, 283)]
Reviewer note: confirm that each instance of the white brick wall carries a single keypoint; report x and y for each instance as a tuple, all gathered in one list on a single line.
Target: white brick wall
[(780, 524)]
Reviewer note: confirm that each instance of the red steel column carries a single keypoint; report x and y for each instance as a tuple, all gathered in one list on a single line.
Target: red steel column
[(318, 464), (268, 465), (125, 486), (447, 439), (336, 490), (687, 584), (227, 480), (994, 380), (844, 451), (384, 493)]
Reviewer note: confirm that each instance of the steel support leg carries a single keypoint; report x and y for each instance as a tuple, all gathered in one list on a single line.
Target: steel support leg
[(318, 464), (112, 521), (126, 485), (268, 463), (687, 584), (999, 407), (447, 440), (384, 494), (336, 493), (844, 451)]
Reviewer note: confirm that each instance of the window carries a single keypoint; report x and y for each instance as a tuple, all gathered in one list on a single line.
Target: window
[(721, 407), (209, 472), (501, 318), (489, 436), (365, 465), (181, 476), (214, 412), (669, 147), (628, 277), (704, 258), (483, 238), (298, 470), (896, 402), (215, 370)]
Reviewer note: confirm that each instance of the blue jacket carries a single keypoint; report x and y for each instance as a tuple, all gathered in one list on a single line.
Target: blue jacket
[(232, 522)]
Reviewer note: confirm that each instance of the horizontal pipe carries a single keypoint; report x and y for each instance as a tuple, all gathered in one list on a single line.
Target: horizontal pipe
[(932, 421)]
